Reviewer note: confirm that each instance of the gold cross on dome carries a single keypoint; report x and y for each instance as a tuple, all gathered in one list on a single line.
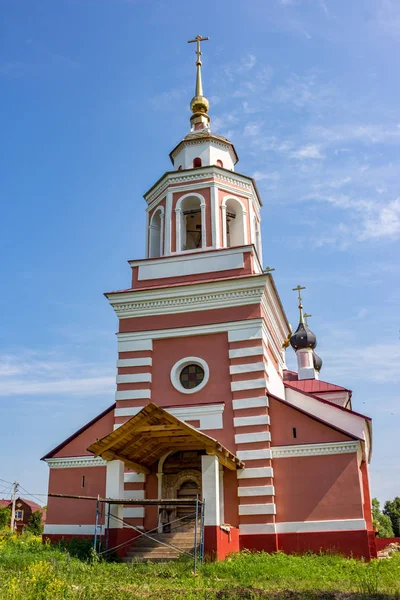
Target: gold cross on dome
[(306, 317), (297, 289), (198, 39)]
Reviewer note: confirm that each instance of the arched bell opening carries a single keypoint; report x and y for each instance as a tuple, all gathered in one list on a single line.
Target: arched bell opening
[(234, 223), (190, 223), (156, 234)]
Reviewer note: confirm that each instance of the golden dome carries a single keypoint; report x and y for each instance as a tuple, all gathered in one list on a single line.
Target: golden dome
[(199, 104)]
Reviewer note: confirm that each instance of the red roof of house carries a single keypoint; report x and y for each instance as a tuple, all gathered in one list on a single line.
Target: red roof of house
[(31, 504), (311, 386)]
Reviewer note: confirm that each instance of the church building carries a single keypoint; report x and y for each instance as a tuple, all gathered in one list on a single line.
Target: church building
[(204, 403)]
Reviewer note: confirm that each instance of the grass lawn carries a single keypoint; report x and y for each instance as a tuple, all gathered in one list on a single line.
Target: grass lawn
[(31, 570)]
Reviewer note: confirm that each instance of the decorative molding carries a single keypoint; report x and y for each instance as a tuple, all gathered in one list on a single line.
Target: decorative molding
[(255, 473), (256, 490), (185, 303), (315, 449), (246, 421), (175, 177), (250, 403), (209, 415), (235, 329), (257, 509), (73, 462)]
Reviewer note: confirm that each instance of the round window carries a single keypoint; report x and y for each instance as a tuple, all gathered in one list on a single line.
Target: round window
[(191, 376)]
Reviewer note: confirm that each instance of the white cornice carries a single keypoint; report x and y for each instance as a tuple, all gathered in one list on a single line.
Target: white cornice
[(177, 177), (315, 449), (71, 462), (207, 296), (189, 254)]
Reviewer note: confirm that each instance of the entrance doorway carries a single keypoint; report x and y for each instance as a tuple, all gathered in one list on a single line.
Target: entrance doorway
[(187, 491)]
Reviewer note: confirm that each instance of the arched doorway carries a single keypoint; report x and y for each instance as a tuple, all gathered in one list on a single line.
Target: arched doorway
[(189, 490)]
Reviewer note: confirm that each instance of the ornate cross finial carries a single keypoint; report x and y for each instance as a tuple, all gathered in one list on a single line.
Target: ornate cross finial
[(297, 289), (268, 270), (306, 317), (198, 39)]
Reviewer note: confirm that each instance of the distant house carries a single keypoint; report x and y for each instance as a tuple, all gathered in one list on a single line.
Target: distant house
[(23, 511)]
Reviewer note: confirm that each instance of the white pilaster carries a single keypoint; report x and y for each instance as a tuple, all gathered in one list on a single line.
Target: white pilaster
[(115, 489), (168, 221), (203, 225), (211, 492), (224, 233)]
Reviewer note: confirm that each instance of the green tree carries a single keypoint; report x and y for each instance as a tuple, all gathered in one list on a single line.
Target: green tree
[(35, 523), (392, 510), (5, 516), (382, 522)]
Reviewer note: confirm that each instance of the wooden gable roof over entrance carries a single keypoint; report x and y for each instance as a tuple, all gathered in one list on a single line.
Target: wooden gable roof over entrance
[(153, 432)]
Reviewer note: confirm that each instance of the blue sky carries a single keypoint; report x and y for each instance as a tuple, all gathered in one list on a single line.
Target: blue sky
[(94, 95)]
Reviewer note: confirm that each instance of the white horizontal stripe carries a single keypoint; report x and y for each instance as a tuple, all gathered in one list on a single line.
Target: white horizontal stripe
[(248, 384), (257, 528), (248, 438), (245, 334), (250, 402), (315, 449), (132, 394), (253, 454), (256, 490), (305, 526), (127, 412), (257, 509), (134, 345), (72, 529), (255, 472), (134, 378), (134, 477), (245, 421), (135, 362), (240, 352), (134, 512), (247, 368), (132, 494), (117, 425)]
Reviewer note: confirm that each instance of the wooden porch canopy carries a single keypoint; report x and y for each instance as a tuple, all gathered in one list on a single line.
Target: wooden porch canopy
[(153, 432)]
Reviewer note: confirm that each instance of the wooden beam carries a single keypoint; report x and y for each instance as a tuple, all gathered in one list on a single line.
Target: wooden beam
[(127, 461)]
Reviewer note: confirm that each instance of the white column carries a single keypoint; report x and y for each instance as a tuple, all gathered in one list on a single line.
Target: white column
[(203, 225), (179, 232), (210, 484), (245, 224), (168, 222), (160, 478), (214, 216), (115, 489), (162, 234), (223, 217), (221, 495), (147, 252)]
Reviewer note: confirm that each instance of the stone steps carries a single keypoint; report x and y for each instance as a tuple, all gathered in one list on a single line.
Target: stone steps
[(146, 549)]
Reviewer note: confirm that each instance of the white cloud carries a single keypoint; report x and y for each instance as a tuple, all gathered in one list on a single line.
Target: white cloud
[(310, 151), (252, 129), (384, 224), (30, 374), (374, 362)]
